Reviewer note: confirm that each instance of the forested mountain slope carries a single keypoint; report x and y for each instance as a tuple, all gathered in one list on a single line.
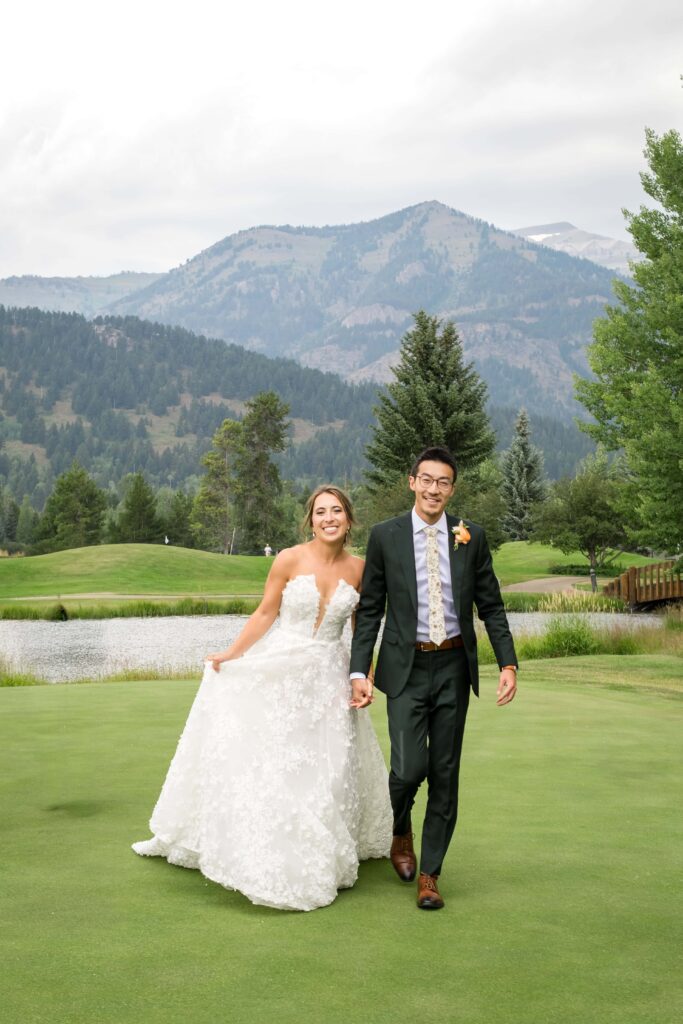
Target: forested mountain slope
[(121, 394)]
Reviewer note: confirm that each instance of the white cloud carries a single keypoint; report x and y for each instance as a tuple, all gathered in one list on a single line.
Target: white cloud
[(133, 142)]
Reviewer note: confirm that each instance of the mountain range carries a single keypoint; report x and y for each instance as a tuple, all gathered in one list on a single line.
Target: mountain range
[(612, 253), (339, 298)]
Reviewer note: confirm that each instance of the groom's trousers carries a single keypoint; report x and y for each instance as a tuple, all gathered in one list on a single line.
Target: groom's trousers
[(426, 727)]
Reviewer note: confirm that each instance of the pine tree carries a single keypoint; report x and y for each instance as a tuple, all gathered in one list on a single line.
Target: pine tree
[(27, 522), (138, 522), (178, 527), (258, 487), (435, 399), (523, 484), (73, 514)]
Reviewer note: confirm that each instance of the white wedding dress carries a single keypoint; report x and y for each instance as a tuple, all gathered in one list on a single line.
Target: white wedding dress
[(278, 788)]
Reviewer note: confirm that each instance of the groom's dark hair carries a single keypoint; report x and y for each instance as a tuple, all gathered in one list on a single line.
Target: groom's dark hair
[(435, 453)]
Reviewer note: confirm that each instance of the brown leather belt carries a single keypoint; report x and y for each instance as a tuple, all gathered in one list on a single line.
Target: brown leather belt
[(447, 645)]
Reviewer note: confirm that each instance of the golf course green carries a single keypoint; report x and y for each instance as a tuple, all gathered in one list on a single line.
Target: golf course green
[(562, 885)]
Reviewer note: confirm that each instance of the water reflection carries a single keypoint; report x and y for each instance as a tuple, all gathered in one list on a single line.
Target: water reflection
[(92, 649)]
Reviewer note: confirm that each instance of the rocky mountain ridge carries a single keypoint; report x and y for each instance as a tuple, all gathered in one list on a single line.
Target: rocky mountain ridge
[(339, 298)]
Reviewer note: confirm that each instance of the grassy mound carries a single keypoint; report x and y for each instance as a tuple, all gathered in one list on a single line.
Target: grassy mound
[(152, 569), (132, 569), (518, 561), (560, 884)]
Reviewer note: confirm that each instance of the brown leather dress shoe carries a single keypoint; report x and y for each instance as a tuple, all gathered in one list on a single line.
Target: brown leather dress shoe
[(428, 895), (403, 857)]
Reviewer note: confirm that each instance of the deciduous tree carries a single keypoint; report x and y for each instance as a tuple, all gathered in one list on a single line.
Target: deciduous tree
[(586, 513), (637, 355)]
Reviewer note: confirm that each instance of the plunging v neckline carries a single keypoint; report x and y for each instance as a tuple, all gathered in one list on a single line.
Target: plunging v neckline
[(321, 618)]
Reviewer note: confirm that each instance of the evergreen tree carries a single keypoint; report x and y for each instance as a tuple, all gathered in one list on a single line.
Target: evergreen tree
[(436, 398), (73, 513), (26, 523), (212, 519), (479, 497), (522, 484), (637, 354), (138, 522), (178, 528), (258, 487)]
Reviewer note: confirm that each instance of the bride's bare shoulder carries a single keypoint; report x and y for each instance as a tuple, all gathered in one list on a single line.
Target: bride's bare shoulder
[(356, 567), (290, 560)]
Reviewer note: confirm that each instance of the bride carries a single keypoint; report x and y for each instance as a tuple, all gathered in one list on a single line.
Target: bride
[(278, 787)]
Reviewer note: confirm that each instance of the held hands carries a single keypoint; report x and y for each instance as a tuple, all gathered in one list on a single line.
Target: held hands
[(362, 693), (507, 687)]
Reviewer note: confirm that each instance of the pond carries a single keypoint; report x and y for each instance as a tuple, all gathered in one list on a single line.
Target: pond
[(92, 649)]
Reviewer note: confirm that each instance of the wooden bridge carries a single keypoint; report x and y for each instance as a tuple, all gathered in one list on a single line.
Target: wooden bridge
[(647, 585)]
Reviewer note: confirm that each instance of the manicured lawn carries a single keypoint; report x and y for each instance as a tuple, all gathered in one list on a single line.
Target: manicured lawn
[(122, 569), (562, 886), (518, 561), (132, 569)]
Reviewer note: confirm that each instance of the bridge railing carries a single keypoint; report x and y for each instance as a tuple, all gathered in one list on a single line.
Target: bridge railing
[(644, 584)]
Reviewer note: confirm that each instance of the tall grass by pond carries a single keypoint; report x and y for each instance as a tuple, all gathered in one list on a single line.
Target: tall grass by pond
[(150, 607), (142, 608)]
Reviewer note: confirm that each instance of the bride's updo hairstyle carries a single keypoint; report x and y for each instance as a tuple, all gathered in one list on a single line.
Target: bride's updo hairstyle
[(342, 498)]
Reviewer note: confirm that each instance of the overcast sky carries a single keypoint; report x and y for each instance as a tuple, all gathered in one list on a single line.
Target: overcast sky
[(135, 134)]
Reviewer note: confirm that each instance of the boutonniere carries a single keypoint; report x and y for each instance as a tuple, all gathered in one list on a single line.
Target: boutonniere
[(461, 535)]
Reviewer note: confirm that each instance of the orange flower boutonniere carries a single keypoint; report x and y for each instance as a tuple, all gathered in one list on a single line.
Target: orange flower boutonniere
[(461, 535)]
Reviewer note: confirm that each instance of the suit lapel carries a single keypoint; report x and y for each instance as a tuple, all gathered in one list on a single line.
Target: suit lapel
[(405, 551), (457, 558)]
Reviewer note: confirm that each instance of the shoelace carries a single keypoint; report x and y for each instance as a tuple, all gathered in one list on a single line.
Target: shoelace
[(406, 844), (427, 882)]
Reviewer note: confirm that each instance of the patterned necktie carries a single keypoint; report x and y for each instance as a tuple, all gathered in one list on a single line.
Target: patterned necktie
[(437, 622)]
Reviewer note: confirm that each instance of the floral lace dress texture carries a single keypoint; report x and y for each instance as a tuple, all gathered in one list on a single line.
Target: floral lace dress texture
[(277, 787)]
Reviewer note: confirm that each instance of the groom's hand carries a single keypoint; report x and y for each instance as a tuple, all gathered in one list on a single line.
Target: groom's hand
[(507, 687), (361, 693)]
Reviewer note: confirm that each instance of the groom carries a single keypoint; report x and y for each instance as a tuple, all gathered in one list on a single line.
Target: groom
[(428, 569)]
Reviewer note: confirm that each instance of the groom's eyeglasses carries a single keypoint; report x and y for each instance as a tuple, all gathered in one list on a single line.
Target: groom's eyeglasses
[(442, 482)]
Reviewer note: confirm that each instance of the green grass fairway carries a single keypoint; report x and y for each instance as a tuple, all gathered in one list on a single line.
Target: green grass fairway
[(518, 561), (132, 569), (120, 569), (562, 885)]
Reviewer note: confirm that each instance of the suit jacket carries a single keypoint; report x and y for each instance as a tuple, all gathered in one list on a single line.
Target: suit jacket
[(389, 581)]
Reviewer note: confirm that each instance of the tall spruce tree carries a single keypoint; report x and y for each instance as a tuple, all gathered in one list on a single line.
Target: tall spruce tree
[(436, 398), (258, 487), (637, 354), (138, 522), (523, 485)]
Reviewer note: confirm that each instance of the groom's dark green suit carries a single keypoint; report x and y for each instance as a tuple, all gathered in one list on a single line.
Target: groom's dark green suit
[(427, 693)]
